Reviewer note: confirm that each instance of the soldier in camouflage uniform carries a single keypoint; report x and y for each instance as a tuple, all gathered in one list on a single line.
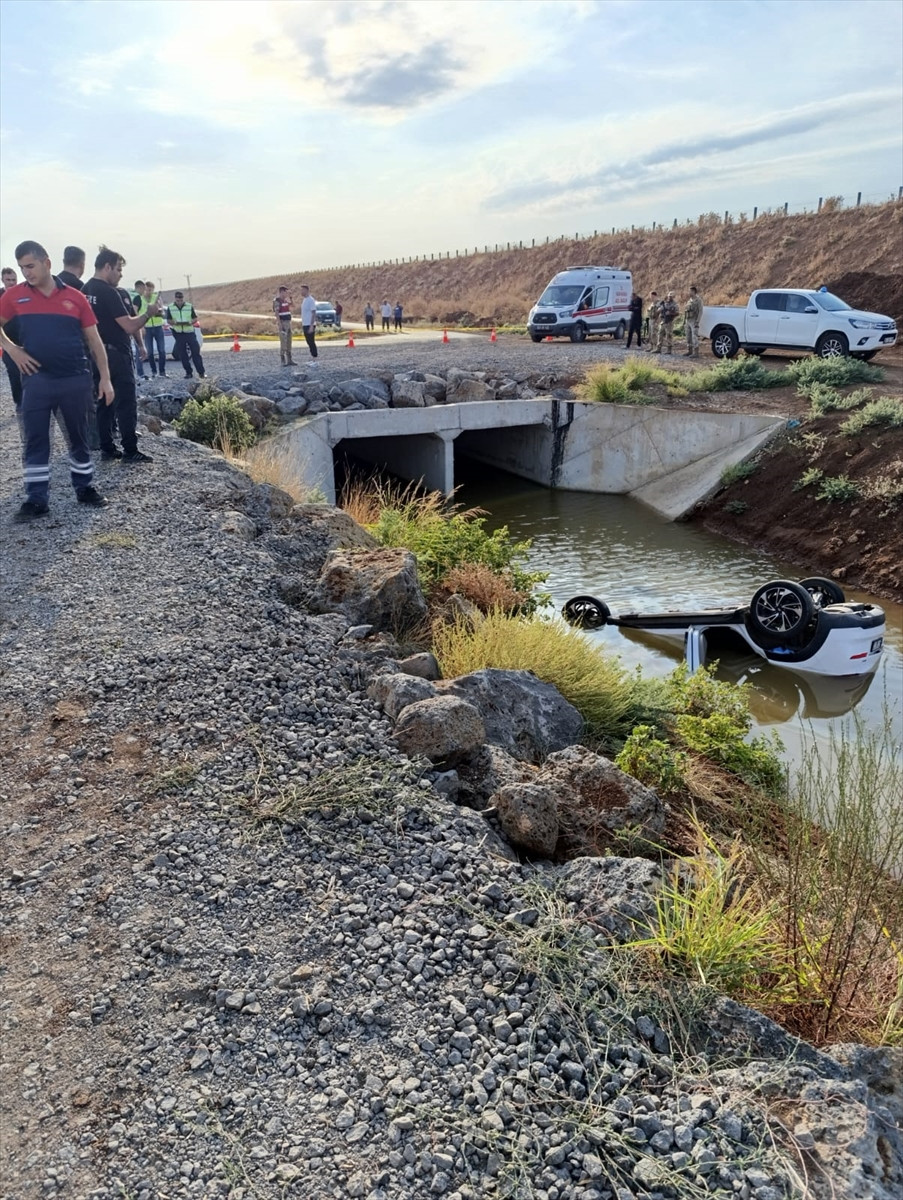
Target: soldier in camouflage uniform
[(668, 311), (652, 318), (692, 317)]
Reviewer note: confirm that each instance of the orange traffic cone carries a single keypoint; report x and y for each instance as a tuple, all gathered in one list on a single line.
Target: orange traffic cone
[(351, 342), (235, 346), (444, 337), (492, 337)]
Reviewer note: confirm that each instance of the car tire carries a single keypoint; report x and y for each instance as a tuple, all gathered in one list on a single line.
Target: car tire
[(780, 612), (578, 333), (725, 343), (586, 612), (823, 591), (832, 345), (618, 334), (535, 337)]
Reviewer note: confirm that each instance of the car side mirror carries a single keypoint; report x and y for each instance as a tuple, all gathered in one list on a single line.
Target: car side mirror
[(810, 308)]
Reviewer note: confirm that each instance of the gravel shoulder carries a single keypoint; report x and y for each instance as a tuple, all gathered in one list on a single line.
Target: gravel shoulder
[(199, 999)]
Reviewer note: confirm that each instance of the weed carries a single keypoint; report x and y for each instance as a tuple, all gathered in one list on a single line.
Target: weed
[(115, 538), (831, 372), (219, 422), (176, 779), (823, 398), (814, 443), (737, 471), (886, 410), (838, 488), (721, 739), (741, 374), (486, 588), (809, 477), (606, 384), (736, 508), (653, 761), (887, 487), (271, 460)]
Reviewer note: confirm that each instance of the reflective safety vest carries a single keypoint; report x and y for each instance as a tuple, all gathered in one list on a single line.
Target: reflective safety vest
[(180, 317), (152, 322)]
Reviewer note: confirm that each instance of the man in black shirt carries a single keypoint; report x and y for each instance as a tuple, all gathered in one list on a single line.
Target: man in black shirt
[(116, 328), (73, 267)]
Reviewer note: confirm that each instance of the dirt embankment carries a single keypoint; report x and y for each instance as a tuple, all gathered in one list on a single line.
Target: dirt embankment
[(857, 252)]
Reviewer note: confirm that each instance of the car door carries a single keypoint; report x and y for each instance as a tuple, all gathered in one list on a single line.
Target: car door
[(762, 319), (797, 325), (601, 309)]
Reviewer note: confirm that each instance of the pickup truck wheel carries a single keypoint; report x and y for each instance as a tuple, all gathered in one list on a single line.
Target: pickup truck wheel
[(832, 345), (620, 331), (578, 333), (586, 612), (725, 343), (780, 610), (823, 591), (535, 337)]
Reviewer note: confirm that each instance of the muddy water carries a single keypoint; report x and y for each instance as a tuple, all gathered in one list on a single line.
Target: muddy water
[(620, 551)]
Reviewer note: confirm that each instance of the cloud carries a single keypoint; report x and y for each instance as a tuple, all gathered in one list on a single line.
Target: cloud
[(675, 161)]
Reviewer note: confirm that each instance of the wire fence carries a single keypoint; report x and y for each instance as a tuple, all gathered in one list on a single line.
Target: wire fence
[(823, 204)]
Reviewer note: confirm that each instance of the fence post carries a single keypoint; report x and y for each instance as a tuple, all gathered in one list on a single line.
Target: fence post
[(858, 199), (755, 212), (786, 206), (725, 216), (533, 243), (819, 204), (674, 226)]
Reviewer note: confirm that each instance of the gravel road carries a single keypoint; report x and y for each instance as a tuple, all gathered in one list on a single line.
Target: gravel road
[(249, 950)]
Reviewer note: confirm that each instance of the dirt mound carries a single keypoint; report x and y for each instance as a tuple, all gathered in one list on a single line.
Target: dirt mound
[(858, 252)]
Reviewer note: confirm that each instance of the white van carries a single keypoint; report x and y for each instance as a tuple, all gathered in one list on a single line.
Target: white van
[(580, 301)]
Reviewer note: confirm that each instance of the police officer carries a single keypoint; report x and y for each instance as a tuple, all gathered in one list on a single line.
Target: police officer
[(692, 317), (181, 317), (154, 338)]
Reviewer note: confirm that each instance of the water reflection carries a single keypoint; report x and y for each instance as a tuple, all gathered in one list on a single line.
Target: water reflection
[(619, 550)]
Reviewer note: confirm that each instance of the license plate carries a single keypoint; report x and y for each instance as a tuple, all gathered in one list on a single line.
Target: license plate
[(876, 646), (889, 337)]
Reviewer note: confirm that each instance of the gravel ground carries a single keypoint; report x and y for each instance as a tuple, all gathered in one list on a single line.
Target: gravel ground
[(249, 951)]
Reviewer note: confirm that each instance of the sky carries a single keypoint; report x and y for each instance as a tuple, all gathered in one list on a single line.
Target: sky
[(229, 140)]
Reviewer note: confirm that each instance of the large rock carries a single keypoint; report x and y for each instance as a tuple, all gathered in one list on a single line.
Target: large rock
[(443, 729), (371, 587), (599, 807), (528, 815), (616, 893), (465, 389), (434, 388), (370, 393), (339, 529), (523, 715), (486, 771), (269, 502), (395, 692), (407, 393), (423, 664), (293, 406)]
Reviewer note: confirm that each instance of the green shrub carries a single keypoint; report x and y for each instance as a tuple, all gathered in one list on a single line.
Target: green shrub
[(887, 410), (838, 487), (809, 476), (757, 761), (651, 760), (738, 471), (823, 399), (832, 372), (219, 422), (741, 374), (700, 694), (736, 508)]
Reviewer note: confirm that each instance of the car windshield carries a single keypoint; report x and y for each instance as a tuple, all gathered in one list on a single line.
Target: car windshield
[(562, 294), (324, 306), (829, 302)]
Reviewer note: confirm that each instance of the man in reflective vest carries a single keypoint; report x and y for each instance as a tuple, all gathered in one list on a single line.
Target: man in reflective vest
[(181, 317), (154, 340)]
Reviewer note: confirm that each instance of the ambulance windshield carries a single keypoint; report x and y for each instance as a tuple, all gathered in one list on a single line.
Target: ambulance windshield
[(562, 294)]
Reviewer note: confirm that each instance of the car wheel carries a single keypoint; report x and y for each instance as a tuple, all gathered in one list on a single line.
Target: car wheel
[(620, 331), (535, 337), (780, 610), (725, 343), (578, 333), (823, 591), (832, 345), (586, 612)]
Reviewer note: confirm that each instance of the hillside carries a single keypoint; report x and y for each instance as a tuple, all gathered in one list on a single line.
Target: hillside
[(857, 252)]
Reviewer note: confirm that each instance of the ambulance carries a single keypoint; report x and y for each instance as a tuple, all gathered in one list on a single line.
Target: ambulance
[(580, 301)]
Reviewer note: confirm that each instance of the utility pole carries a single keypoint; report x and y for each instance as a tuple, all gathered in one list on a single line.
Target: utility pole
[(188, 281), (159, 285)]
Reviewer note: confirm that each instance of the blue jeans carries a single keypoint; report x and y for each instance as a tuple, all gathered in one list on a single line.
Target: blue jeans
[(155, 341)]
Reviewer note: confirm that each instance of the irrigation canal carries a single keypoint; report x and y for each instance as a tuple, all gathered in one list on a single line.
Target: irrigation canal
[(619, 550)]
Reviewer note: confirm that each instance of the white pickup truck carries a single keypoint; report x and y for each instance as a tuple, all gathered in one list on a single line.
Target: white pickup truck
[(797, 319)]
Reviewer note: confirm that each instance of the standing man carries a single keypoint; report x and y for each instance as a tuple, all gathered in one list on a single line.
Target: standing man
[(668, 311), (116, 328), (309, 321), (181, 317), (154, 338), (338, 314), (282, 307), (56, 323), (386, 310), (652, 318), (369, 315), (692, 317), (636, 321), (9, 279), (137, 306), (73, 267), (399, 314)]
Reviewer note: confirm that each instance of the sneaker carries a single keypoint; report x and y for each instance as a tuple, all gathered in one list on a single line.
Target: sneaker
[(162, 374), (90, 495), (109, 455), (137, 457), (30, 509), (202, 374), (188, 376)]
